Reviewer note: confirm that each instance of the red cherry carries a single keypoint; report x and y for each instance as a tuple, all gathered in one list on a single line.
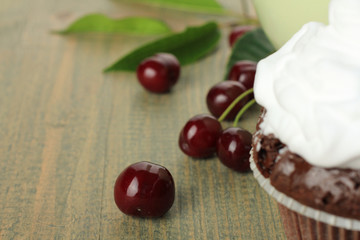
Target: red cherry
[(222, 95), (233, 148), (144, 189), (244, 72), (238, 32), (199, 136), (159, 73)]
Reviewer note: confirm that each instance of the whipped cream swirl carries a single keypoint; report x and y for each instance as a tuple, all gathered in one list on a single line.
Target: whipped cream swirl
[(311, 89)]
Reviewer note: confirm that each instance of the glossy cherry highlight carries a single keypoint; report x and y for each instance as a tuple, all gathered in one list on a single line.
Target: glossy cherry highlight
[(221, 95), (233, 148), (159, 73), (243, 72), (144, 189), (199, 136)]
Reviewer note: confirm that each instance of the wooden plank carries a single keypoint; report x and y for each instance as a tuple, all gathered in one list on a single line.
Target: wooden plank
[(67, 130)]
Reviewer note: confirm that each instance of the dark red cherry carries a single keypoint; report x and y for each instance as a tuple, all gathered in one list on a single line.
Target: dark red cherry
[(144, 189), (238, 32), (199, 136), (244, 72), (222, 95), (233, 148), (159, 73)]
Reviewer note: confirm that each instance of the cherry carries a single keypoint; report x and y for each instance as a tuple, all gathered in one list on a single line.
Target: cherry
[(159, 73), (144, 189), (244, 72), (238, 32), (221, 95), (233, 148), (199, 136)]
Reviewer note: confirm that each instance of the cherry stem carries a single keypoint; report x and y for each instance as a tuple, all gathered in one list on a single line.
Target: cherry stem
[(232, 105), (242, 111)]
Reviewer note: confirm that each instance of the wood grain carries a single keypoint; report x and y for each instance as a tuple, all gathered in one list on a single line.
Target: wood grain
[(67, 130)]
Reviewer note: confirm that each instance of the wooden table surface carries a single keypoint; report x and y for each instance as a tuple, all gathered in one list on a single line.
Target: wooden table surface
[(67, 130)]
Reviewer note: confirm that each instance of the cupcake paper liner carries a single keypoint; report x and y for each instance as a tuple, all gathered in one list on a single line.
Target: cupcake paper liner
[(290, 203), (300, 227)]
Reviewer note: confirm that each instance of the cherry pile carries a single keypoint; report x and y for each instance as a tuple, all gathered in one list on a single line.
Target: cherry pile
[(203, 137), (146, 189)]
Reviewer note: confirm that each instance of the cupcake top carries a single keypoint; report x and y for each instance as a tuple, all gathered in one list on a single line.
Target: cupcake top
[(310, 89)]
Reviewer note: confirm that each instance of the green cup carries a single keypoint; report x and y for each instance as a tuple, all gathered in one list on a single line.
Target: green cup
[(281, 19)]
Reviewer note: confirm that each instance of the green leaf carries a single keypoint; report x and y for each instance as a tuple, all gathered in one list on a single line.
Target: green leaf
[(188, 46), (253, 46), (129, 25), (202, 6)]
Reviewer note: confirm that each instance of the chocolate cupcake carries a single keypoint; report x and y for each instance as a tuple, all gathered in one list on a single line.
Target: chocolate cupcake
[(306, 152)]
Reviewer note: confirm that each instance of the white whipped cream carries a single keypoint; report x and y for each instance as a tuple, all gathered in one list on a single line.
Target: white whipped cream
[(311, 89)]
